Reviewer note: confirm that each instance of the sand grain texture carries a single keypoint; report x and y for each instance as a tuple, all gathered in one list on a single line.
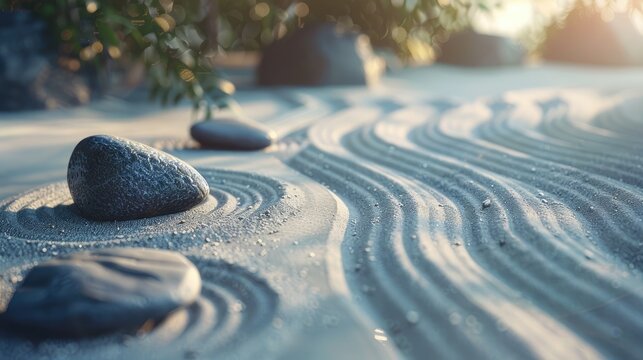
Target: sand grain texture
[(386, 223)]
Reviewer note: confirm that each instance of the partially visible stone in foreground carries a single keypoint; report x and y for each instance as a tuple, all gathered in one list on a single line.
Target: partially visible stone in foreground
[(92, 293), (111, 178), (470, 48), (320, 54), (231, 134)]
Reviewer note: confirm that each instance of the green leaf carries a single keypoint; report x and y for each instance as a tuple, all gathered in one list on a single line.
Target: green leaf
[(107, 34)]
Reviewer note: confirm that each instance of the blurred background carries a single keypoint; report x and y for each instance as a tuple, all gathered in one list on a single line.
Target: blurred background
[(62, 53)]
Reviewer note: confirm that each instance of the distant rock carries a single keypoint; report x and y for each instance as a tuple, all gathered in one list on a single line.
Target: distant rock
[(30, 80), (470, 48), (93, 293), (232, 134), (320, 54), (111, 178), (22, 61), (585, 38)]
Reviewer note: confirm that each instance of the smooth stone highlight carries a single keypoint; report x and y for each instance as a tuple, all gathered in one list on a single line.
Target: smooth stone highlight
[(112, 178), (92, 293), (232, 134)]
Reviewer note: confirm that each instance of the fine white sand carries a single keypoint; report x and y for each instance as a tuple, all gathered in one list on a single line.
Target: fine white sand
[(445, 213)]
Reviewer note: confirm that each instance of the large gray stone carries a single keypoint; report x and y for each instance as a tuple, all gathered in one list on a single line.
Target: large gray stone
[(111, 178), (470, 48), (232, 134), (92, 293), (320, 54)]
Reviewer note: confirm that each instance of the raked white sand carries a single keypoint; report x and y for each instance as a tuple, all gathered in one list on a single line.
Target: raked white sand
[(445, 213)]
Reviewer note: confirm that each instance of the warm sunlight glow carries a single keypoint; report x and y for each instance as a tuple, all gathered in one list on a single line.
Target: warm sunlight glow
[(92, 6)]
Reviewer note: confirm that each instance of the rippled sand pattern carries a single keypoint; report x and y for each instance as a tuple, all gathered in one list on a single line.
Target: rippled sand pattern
[(507, 228), (237, 204), (233, 307), (234, 304), (502, 228)]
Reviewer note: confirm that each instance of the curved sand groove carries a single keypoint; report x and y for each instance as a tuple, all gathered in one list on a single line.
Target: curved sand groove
[(481, 156), (306, 110), (384, 272), (302, 111), (624, 119), (385, 152), (543, 251), (239, 203), (530, 269), (384, 259), (577, 129), (598, 200), (551, 268), (544, 131), (235, 306)]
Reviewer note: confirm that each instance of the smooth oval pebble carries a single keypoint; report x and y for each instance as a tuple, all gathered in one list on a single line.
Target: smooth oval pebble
[(91, 293), (112, 178), (232, 134)]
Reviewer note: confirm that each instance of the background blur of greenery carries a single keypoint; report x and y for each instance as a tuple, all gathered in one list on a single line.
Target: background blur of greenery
[(178, 40)]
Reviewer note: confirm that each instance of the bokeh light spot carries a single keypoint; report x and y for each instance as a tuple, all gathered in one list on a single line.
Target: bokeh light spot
[(227, 87), (97, 47), (302, 10), (165, 22), (114, 52), (91, 7), (260, 11), (87, 53), (187, 75), (399, 34)]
